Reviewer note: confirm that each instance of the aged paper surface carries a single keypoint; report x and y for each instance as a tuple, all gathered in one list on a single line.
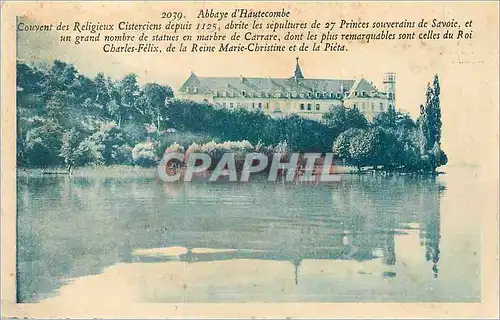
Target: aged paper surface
[(403, 96)]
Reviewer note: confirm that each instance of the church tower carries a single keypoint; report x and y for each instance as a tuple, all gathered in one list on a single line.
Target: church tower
[(298, 72), (390, 87)]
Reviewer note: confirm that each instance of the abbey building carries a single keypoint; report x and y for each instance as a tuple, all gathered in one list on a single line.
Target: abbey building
[(310, 98)]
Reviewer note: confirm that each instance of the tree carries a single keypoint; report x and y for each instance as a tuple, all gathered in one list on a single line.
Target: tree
[(387, 119), (152, 100), (393, 119), (429, 123), (59, 107), (340, 119), (374, 146), (341, 145), (115, 110), (31, 90), (64, 117), (128, 89), (435, 113), (83, 88), (102, 89), (62, 76), (110, 139), (70, 143), (43, 144), (361, 148), (88, 153)]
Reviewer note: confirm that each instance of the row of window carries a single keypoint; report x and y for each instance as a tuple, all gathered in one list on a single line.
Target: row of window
[(390, 77), (362, 93), (309, 107), (309, 95), (254, 105), (279, 94), (260, 105), (288, 95), (302, 107), (363, 106)]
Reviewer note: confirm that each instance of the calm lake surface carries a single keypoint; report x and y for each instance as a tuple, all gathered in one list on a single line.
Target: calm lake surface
[(133, 238)]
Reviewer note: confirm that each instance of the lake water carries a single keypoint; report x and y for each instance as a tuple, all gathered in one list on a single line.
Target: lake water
[(134, 238)]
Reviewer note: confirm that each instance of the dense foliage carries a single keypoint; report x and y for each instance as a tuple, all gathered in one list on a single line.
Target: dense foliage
[(301, 134), (67, 119), (394, 141)]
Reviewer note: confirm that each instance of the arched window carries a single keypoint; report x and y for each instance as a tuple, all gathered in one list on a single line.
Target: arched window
[(243, 93), (381, 106), (309, 107), (317, 107), (301, 106)]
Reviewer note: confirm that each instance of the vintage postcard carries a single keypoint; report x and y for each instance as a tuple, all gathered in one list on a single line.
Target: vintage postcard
[(250, 159)]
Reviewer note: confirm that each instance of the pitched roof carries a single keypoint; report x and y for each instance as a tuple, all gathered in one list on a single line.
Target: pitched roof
[(297, 84), (361, 86), (238, 85)]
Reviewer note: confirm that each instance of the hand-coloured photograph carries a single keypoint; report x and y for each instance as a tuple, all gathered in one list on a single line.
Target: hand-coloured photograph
[(250, 153)]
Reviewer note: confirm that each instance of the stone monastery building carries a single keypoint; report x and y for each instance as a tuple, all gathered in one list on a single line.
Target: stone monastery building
[(310, 98)]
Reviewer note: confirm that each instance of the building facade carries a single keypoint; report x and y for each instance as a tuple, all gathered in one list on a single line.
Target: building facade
[(310, 98)]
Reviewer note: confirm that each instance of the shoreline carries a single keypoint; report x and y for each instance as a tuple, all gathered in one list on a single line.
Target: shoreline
[(121, 170)]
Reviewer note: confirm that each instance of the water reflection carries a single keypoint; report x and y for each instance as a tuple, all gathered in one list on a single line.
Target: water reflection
[(70, 227)]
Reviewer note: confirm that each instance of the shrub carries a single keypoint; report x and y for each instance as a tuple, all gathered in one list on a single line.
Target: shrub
[(88, 153), (175, 147), (123, 154), (143, 154)]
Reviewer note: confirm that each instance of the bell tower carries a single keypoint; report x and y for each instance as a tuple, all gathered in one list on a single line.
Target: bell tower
[(298, 75), (390, 87)]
